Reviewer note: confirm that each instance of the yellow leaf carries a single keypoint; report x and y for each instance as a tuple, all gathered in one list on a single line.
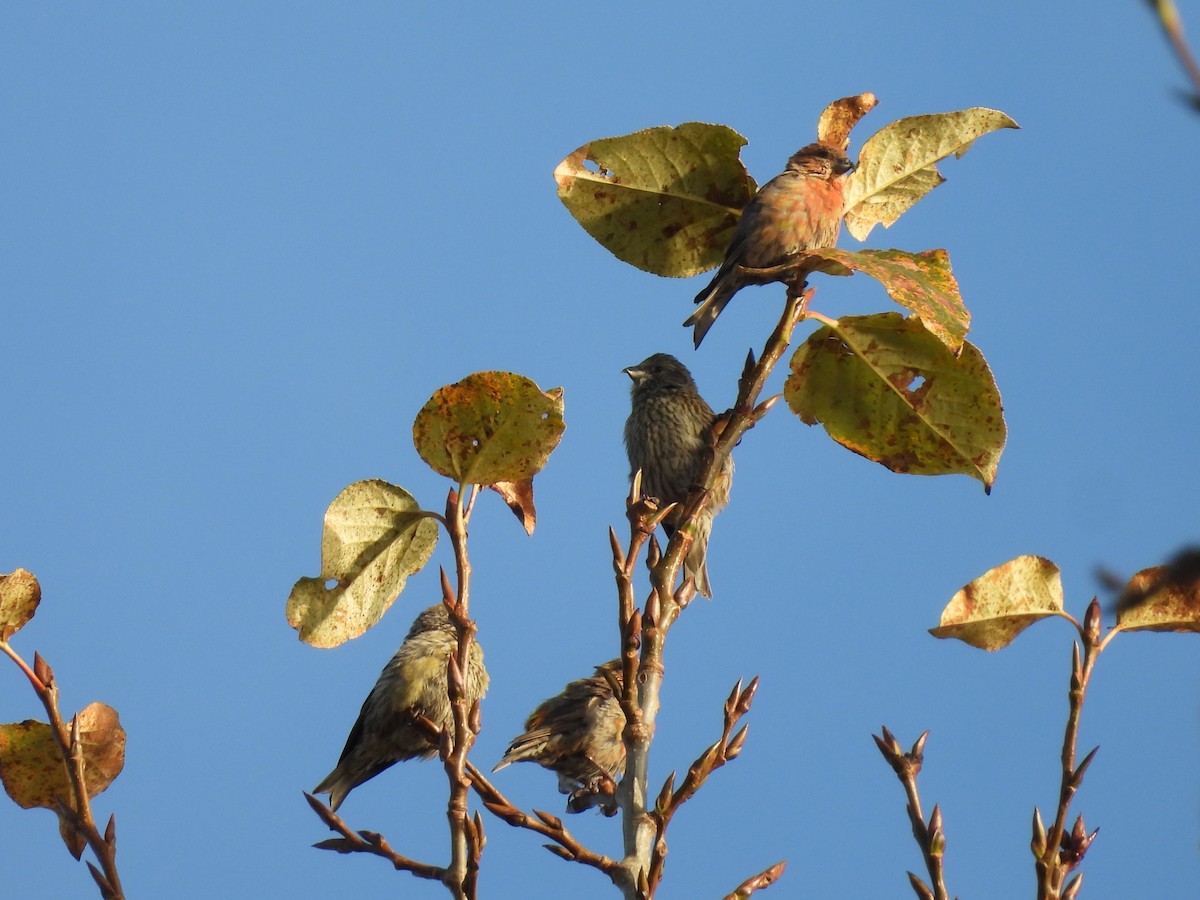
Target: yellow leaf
[(20, 595), (886, 388), (896, 166), (993, 609), (490, 427), (32, 766), (375, 536), (922, 282), (1163, 598), (664, 199)]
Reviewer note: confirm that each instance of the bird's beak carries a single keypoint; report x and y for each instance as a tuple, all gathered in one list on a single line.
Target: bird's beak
[(842, 166), (633, 372)]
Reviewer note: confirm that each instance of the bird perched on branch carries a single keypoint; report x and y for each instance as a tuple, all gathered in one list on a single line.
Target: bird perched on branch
[(413, 683), (667, 436), (799, 209), (578, 734)]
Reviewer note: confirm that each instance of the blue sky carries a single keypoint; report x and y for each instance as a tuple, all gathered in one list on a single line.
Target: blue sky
[(245, 242)]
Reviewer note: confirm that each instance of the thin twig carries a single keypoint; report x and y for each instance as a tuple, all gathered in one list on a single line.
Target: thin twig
[(724, 750), (461, 877), (78, 813), (1061, 850), (763, 879), (930, 836), (540, 822), (372, 842)]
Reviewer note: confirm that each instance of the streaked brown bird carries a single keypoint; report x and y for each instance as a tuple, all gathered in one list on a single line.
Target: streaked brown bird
[(413, 683), (577, 734), (799, 209), (667, 436)]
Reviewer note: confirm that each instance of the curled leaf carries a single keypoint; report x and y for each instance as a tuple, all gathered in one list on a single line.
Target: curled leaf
[(922, 282), (20, 595), (664, 199), (375, 536), (886, 388), (489, 428), (519, 497), (896, 166), (32, 766), (993, 609), (840, 117)]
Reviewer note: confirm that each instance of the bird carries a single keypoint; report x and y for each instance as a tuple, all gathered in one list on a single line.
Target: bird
[(413, 683), (799, 209), (667, 436), (578, 734)]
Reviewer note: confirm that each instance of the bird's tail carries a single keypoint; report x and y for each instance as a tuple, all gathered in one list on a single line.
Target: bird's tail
[(337, 785), (526, 746), (696, 562), (712, 300)]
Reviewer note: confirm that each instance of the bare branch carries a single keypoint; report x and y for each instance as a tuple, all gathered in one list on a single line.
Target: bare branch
[(930, 837), (367, 842), (670, 798), (1061, 850), (540, 822), (763, 879)]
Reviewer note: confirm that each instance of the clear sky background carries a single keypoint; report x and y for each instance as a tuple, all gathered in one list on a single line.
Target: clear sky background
[(244, 242)]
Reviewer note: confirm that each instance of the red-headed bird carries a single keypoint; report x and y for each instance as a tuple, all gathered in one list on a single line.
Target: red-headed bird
[(799, 209)]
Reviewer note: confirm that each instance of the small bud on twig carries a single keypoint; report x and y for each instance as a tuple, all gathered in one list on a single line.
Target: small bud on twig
[(1038, 842), (919, 887), (1092, 621)]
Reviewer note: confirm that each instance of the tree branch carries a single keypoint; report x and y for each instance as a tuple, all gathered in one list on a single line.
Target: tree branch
[(930, 837), (77, 813), (724, 750), (666, 599), (367, 842), (461, 877), (1060, 852), (542, 823)]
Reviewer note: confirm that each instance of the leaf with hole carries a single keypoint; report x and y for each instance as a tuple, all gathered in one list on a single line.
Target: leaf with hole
[(489, 428), (664, 199), (886, 388), (375, 535)]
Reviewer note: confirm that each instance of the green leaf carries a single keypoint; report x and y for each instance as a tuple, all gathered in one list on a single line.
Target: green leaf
[(921, 282), (896, 164), (489, 428), (20, 595), (375, 536), (993, 609), (665, 199), (886, 388)]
